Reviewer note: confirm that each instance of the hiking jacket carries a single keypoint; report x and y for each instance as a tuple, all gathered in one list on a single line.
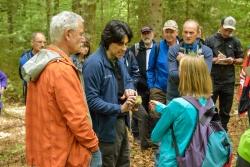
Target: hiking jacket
[(3, 80), (132, 66), (102, 93), (173, 79), (179, 115), (244, 146), (23, 59), (78, 64), (135, 59), (58, 132), (157, 73)]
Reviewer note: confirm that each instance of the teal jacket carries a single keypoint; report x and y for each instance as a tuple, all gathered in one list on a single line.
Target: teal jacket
[(181, 115)]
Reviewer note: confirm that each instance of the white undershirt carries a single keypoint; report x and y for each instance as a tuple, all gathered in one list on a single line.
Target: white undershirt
[(147, 55)]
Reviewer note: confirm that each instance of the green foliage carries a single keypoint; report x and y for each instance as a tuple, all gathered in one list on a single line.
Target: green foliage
[(20, 18)]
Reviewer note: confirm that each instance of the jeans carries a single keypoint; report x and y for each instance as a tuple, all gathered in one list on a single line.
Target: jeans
[(96, 160)]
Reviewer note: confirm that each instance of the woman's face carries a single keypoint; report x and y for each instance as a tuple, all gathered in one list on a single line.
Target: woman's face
[(84, 51)]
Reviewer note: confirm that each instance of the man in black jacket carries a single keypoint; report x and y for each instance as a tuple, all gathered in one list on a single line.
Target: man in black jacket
[(136, 59), (227, 52)]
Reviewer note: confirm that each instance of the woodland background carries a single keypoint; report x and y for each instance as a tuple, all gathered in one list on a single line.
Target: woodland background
[(19, 18)]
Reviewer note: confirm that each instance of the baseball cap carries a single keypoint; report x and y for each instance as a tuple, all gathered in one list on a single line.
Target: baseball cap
[(146, 29), (228, 22), (170, 24)]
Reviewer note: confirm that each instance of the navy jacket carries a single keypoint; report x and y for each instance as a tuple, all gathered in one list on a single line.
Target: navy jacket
[(173, 77), (102, 93), (23, 59)]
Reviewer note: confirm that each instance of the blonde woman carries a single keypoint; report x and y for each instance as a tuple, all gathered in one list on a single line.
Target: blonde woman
[(179, 114)]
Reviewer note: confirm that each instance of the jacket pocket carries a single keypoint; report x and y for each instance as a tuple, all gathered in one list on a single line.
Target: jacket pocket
[(79, 156)]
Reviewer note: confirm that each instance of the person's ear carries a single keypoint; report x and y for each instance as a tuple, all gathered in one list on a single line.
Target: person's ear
[(32, 43), (67, 34)]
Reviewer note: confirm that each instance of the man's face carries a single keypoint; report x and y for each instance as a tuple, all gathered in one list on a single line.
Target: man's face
[(75, 38), (38, 42), (190, 32), (147, 37), (226, 32), (117, 50), (170, 35)]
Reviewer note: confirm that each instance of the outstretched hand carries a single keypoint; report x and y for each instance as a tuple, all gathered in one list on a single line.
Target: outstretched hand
[(152, 104)]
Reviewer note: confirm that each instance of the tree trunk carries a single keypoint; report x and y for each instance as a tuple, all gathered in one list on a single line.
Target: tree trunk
[(56, 6), (186, 10), (102, 13), (24, 8), (89, 16), (155, 17), (10, 23), (48, 15), (76, 6), (128, 13)]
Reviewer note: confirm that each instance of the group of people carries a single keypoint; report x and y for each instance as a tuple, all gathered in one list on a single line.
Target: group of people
[(78, 107)]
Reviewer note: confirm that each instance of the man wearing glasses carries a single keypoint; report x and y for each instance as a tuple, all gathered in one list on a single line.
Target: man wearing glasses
[(38, 42)]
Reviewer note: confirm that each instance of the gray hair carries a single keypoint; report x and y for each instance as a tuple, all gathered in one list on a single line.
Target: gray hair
[(193, 22), (34, 34), (62, 21)]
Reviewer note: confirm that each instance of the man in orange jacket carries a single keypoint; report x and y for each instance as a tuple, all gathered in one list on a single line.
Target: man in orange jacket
[(58, 132)]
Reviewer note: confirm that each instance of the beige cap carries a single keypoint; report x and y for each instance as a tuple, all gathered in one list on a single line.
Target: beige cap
[(170, 24), (229, 23)]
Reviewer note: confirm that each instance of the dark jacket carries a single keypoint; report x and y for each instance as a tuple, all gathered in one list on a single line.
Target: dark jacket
[(230, 47), (102, 93), (136, 62), (132, 66), (173, 79), (23, 59)]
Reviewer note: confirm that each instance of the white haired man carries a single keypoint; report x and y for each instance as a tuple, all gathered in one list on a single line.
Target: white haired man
[(58, 132)]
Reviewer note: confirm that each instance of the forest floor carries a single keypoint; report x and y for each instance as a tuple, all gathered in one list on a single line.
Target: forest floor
[(12, 134)]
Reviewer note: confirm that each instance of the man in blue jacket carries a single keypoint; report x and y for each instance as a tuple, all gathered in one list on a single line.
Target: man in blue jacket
[(191, 44), (38, 42), (110, 93), (157, 73)]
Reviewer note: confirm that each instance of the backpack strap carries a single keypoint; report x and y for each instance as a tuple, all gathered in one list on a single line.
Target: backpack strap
[(206, 112), (136, 49), (205, 116)]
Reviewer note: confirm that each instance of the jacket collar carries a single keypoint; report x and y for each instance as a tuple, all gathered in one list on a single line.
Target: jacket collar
[(106, 61), (65, 57)]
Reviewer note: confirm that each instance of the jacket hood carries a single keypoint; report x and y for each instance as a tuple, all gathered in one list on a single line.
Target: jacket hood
[(33, 68)]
